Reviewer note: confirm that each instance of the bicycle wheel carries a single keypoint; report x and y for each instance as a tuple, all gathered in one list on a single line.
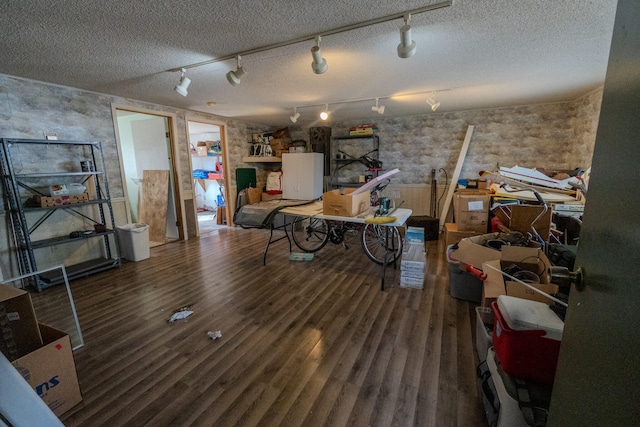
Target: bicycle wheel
[(373, 243), (310, 234)]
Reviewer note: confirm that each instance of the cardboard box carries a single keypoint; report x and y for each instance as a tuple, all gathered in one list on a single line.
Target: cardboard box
[(471, 211), (414, 257), (254, 195), (452, 235), (493, 286), (470, 251), (51, 371), (201, 149), (530, 259), (48, 201), (412, 282), (414, 235), (19, 332), (516, 289), (334, 203)]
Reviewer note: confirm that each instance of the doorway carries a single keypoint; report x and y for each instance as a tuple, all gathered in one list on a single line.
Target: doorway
[(208, 162), (146, 150)]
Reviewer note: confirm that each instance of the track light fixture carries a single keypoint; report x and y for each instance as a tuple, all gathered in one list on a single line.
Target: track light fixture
[(235, 76), (432, 101), (319, 64), (325, 114), (185, 81), (407, 47), (295, 116), (378, 108)]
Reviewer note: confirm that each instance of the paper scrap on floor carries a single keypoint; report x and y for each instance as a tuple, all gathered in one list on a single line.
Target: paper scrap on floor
[(180, 314)]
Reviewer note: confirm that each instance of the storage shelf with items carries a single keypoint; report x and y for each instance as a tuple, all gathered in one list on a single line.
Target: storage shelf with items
[(58, 198), (208, 173), (354, 159)]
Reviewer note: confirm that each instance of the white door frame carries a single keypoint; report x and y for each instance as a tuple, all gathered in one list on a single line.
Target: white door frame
[(180, 212), (225, 163)]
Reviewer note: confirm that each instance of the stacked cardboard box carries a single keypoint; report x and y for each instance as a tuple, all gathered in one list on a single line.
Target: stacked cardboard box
[(413, 264), (41, 354), (471, 210)]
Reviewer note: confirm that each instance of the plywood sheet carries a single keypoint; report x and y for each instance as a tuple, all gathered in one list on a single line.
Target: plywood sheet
[(154, 199)]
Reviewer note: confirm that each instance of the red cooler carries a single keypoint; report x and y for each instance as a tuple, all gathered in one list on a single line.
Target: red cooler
[(526, 338)]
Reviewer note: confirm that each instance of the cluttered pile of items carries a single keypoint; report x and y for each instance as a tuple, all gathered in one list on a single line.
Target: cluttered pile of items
[(521, 274)]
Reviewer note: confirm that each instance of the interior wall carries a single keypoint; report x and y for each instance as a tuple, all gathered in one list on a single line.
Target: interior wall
[(549, 135), (29, 108)]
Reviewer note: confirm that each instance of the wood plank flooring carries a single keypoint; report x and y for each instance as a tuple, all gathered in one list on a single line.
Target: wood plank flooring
[(303, 343)]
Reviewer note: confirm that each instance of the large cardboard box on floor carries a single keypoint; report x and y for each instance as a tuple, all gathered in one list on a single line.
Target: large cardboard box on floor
[(471, 211), (51, 371), (19, 328), (472, 252), (452, 235), (347, 204)]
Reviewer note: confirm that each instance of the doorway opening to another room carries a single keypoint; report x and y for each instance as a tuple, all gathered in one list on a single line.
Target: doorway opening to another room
[(149, 174), (209, 179)]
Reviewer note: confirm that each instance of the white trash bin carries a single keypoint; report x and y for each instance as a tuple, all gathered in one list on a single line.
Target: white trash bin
[(134, 241)]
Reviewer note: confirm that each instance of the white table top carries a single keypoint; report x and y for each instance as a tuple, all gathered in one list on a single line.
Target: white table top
[(315, 210)]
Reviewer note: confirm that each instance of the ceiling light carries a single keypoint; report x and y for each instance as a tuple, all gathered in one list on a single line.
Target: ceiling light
[(407, 47), (319, 64), (378, 108), (295, 116), (211, 104), (235, 76), (185, 81), (434, 104), (325, 114)]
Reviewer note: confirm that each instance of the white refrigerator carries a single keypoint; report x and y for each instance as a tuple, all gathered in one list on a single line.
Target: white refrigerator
[(302, 175)]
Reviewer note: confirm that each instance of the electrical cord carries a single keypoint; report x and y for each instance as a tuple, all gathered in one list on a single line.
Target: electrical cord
[(446, 185)]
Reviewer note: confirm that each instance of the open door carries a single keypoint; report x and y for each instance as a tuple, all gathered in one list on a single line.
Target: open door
[(598, 376)]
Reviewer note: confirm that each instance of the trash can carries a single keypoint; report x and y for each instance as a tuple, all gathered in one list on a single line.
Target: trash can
[(134, 241)]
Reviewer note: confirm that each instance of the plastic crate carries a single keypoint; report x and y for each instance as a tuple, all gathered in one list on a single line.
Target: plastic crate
[(485, 320)]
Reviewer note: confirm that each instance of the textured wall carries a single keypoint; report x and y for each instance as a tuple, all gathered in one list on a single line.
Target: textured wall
[(28, 109), (550, 136)]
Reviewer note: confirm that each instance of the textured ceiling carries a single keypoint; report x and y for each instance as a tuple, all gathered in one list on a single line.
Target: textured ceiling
[(474, 54)]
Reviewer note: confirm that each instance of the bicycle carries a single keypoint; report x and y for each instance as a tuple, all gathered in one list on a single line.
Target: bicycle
[(311, 234)]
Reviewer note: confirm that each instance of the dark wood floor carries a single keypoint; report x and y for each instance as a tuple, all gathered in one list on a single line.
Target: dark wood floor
[(303, 343)]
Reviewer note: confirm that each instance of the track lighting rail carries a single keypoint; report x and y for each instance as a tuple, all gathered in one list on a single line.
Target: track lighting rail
[(309, 37)]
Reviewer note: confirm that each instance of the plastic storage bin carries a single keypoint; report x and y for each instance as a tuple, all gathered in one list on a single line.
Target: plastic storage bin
[(462, 285), (134, 241), (506, 411), (484, 319)]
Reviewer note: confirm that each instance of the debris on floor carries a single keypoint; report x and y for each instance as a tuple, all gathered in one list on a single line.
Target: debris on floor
[(181, 313), (297, 256), (214, 335)]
